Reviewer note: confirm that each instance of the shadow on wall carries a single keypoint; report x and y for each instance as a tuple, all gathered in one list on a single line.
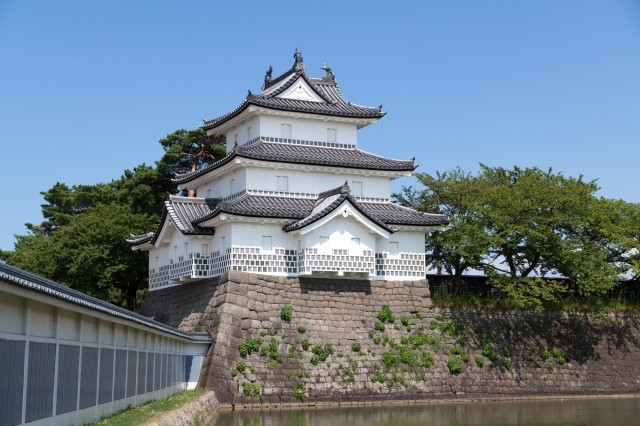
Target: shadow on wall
[(579, 334), (308, 285)]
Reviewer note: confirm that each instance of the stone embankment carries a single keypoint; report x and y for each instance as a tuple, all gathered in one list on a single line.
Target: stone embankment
[(283, 341)]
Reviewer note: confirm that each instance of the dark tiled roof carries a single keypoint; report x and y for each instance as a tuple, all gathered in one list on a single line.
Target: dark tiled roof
[(182, 211), (35, 283), (301, 211), (263, 206), (394, 214), (306, 210), (304, 154), (327, 202), (326, 88)]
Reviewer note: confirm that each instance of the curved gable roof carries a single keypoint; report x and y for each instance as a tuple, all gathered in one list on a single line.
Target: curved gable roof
[(182, 211), (305, 154), (326, 88)]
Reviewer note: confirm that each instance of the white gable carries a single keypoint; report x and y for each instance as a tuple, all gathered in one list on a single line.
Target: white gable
[(346, 210), (301, 91)]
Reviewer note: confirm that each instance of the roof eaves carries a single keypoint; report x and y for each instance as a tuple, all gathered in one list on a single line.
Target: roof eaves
[(32, 282)]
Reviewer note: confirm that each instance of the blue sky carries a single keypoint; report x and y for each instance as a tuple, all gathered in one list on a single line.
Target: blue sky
[(88, 87)]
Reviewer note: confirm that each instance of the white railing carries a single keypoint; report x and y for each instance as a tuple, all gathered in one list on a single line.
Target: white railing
[(285, 262)]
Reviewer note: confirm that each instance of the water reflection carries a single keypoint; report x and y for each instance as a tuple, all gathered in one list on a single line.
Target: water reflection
[(592, 412)]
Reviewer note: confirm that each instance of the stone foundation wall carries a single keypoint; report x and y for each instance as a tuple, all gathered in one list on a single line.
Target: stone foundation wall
[(425, 353)]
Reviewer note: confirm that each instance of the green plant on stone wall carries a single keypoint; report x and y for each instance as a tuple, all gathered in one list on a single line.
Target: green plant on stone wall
[(390, 359), (507, 364), (378, 378), (534, 359), (487, 351), (302, 329), (303, 374), (273, 350), (249, 346), (250, 389), (356, 347), (304, 344), (385, 315), (321, 353), (457, 350), (299, 391), (404, 320), (427, 360), (378, 326), (479, 360), (407, 357), (455, 365), (559, 355), (286, 313), (241, 366), (544, 354)]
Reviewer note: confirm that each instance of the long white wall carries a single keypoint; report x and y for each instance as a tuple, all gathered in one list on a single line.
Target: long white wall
[(301, 128), (308, 129), (264, 179), (67, 365)]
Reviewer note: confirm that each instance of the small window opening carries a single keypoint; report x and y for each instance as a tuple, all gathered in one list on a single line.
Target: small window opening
[(283, 183), (267, 242), (332, 135), (393, 248), (356, 188), (285, 130)]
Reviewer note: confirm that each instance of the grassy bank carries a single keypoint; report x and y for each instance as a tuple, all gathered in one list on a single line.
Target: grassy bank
[(144, 413)]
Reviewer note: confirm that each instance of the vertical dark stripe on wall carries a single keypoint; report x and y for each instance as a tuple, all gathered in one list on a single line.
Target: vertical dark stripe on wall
[(142, 365), (165, 372), (88, 372), (150, 366), (105, 386), (158, 372), (187, 367), (67, 379), (120, 375), (40, 377), (172, 369), (11, 381), (132, 373)]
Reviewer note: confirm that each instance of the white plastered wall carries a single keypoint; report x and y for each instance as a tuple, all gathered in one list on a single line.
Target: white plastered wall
[(222, 187), (251, 234), (243, 132), (408, 242), (308, 129), (316, 182), (339, 234)]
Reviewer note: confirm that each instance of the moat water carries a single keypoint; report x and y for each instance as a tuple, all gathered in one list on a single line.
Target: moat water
[(587, 412)]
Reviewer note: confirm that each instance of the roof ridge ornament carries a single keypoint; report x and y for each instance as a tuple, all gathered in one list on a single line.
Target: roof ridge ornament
[(267, 77), (345, 188), (330, 76), (298, 65)]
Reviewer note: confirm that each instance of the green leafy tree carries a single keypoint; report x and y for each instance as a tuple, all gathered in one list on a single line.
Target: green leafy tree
[(188, 151), (518, 225), (453, 193), (82, 239), (143, 189), (90, 254)]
